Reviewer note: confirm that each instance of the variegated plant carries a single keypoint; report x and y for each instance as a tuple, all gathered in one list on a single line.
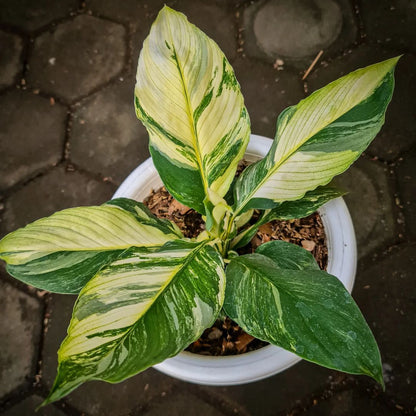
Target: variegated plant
[(145, 291)]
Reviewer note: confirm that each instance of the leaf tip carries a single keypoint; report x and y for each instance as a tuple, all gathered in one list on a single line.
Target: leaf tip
[(396, 58), (376, 373), (378, 377), (390, 64), (166, 10), (44, 403)]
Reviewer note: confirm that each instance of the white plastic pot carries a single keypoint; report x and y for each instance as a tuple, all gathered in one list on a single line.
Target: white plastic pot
[(270, 360)]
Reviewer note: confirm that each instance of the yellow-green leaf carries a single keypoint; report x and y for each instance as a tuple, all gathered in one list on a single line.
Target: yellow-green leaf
[(188, 98), (145, 307), (62, 252), (319, 137)]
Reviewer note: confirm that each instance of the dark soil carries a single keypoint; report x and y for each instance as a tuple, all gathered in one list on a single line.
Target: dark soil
[(225, 337)]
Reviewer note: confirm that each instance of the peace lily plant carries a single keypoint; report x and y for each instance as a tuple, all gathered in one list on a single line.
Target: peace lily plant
[(144, 291)]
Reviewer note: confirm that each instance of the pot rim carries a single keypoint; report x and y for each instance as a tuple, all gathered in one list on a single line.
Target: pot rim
[(269, 360)]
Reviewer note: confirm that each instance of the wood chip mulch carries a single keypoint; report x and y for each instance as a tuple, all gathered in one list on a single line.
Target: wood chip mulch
[(163, 205), (225, 337)]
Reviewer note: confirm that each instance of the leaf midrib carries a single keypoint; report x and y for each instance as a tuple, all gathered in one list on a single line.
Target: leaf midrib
[(190, 117)]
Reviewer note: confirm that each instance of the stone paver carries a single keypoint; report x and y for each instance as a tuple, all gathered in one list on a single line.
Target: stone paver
[(20, 329), (350, 403), (51, 192), (137, 16), (276, 394), (24, 119), (181, 404), (267, 92), (97, 398), (297, 30), (386, 293), (407, 191), (375, 221), (390, 22), (59, 311), (399, 132), (29, 15), (27, 408), (10, 51), (77, 57), (128, 11), (106, 137)]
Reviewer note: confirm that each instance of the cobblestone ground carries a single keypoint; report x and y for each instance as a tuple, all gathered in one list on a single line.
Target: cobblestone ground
[(68, 136)]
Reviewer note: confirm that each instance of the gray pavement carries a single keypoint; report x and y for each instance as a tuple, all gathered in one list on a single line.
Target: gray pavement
[(68, 137)]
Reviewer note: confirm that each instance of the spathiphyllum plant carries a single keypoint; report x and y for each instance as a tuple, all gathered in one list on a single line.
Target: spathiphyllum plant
[(144, 291)]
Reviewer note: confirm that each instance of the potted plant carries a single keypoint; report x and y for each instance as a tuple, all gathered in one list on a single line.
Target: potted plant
[(145, 291), (269, 360)]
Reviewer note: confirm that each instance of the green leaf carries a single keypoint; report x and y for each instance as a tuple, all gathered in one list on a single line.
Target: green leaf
[(319, 138), (143, 308), (305, 206), (62, 252), (288, 210), (307, 312), (288, 256), (189, 100)]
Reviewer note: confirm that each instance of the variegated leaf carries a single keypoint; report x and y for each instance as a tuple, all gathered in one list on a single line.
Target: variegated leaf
[(288, 210), (288, 256), (62, 252), (319, 138), (145, 307), (307, 312), (188, 98)]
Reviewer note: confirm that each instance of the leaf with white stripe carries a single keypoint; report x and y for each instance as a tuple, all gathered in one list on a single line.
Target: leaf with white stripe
[(288, 210), (319, 138), (143, 308), (308, 312), (189, 100), (62, 252)]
